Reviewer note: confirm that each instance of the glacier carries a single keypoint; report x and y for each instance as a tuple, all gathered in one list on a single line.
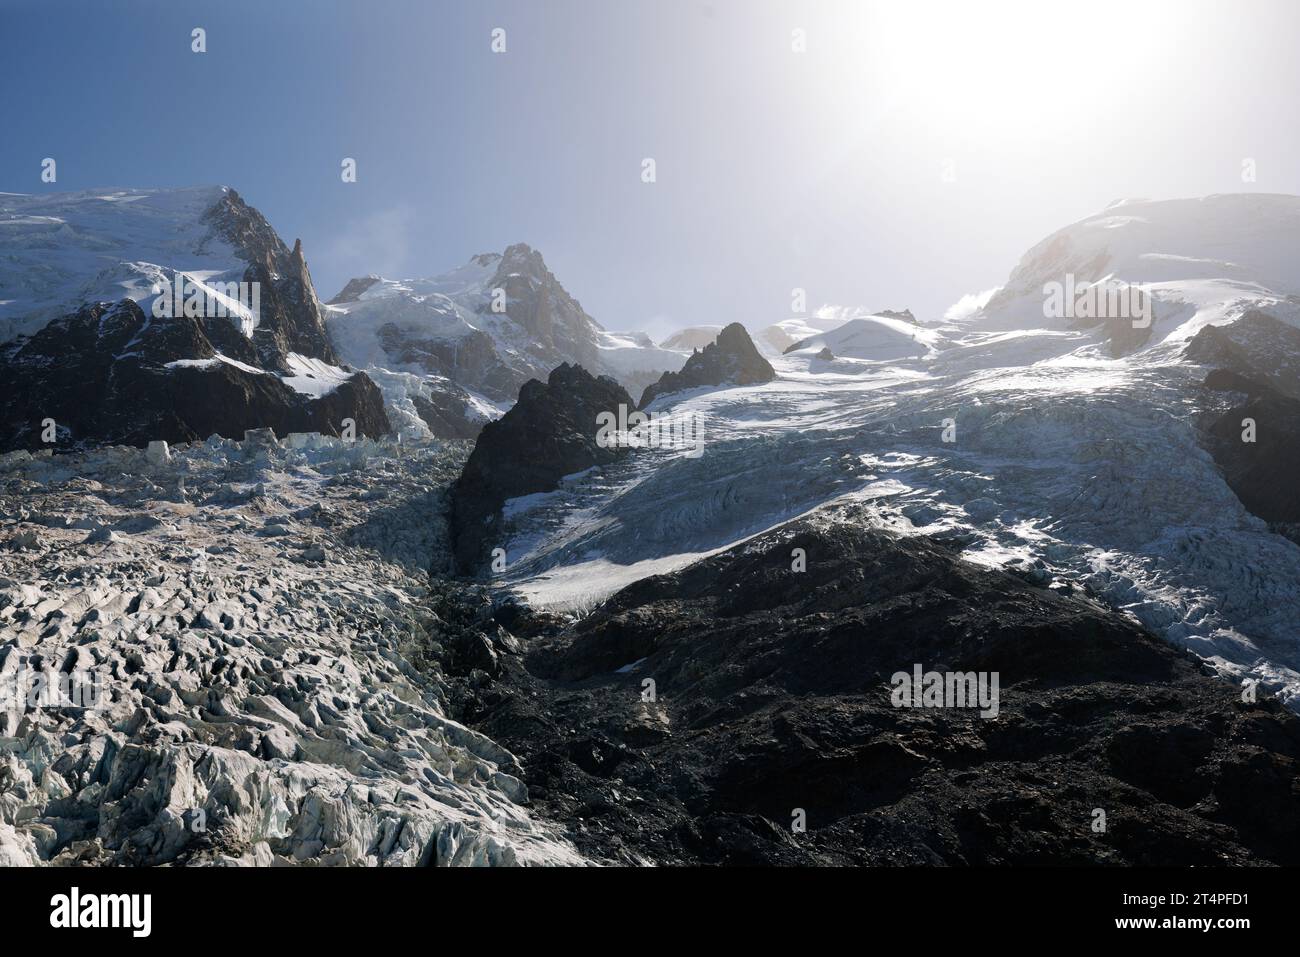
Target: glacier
[(1071, 465)]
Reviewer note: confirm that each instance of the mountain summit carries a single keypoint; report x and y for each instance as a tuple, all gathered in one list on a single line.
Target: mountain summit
[(731, 359), (473, 336)]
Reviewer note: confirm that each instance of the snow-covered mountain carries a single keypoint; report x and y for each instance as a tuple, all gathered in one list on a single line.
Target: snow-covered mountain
[(59, 251), (773, 340), (779, 337), (1003, 493), (1026, 443), (1202, 262), (469, 338), (691, 337), (131, 315), (876, 338)]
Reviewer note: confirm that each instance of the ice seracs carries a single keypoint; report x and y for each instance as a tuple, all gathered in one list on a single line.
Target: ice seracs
[(279, 690)]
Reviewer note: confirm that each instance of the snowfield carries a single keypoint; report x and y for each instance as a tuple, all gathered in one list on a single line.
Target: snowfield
[(60, 250)]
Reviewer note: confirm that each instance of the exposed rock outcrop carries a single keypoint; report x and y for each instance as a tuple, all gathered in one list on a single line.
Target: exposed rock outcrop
[(732, 359), (1257, 346), (109, 375), (695, 715), (353, 290), (128, 373), (291, 319), (1256, 442), (548, 434)]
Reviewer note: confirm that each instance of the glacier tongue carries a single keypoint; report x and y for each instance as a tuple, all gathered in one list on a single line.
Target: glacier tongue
[(256, 614)]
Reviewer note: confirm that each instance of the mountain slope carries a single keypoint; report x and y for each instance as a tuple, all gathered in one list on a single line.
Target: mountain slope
[(1202, 261), (1031, 448), (772, 696), (120, 327), (484, 328)]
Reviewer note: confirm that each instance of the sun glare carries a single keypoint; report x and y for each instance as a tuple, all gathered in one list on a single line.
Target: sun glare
[(990, 70)]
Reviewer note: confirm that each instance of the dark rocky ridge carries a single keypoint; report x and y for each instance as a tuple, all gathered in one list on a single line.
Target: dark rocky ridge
[(291, 319), (1257, 346), (101, 374), (732, 359), (354, 289), (773, 694), (549, 433), (444, 412), (1256, 376)]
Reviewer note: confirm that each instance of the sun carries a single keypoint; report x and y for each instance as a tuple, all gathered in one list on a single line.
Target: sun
[(997, 72)]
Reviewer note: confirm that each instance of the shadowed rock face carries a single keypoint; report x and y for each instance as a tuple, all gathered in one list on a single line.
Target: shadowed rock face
[(101, 374), (354, 289), (772, 693), (1264, 472), (1256, 346), (291, 319), (731, 360), (1256, 374), (444, 413), (548, 434)]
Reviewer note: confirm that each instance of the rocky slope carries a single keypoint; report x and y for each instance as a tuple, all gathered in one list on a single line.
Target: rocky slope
[(771, 694), (124, 371), (108, 375), (731, 359)]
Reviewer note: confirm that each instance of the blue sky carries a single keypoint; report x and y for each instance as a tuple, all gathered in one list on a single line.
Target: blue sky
[(823, 170)]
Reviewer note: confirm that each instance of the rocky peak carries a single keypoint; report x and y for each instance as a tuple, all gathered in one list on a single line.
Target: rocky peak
[(246, 229), (290, 317), (548, 434), (732, 359), (522, 257), (354, 289), (119, 373)]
